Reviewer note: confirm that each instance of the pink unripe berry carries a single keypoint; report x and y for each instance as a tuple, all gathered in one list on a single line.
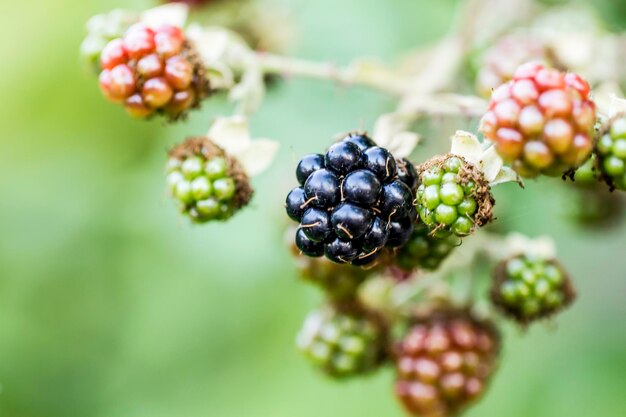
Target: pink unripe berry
[(136, 107), (139, 41), (169, 41), (150, 66)]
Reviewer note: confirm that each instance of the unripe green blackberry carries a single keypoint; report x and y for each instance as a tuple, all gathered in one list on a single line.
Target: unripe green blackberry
[(453, 196), (444, 363), (541, 121), (611, 151), (424, 250), (595, 205), (528, 288), (344, 340), (207, 183)]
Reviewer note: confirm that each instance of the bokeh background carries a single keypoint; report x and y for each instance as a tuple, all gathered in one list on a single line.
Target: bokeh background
[(111, 305)]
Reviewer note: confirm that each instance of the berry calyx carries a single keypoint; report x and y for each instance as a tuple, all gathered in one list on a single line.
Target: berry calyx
[(352, 202), (453, 196), (528, 288), (153, 72), (343, 340), (611, 152), (207, 183), (541, 121), (444, 363), (425, 250)]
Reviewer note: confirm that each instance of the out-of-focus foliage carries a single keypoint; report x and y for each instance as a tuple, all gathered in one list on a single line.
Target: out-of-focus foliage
[(111, 306)]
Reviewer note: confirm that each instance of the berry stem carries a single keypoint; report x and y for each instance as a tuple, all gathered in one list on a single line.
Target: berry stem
[(379, 79)]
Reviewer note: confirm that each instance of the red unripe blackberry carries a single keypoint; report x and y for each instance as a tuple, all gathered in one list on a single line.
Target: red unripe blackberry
[(498, 64), (541, 121), (158, 68), (444, 363)]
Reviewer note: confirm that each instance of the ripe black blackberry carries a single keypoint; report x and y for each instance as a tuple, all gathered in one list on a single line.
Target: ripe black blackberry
[(352, 201)]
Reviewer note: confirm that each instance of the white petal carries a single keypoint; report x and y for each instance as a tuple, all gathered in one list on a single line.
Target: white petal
[(466, 145), (617, 106), (220, 76), (490, 163), (506, 174), (258, 156), (174, 14), (390, 131), (231, 134), (542, 247), (403, 143), (210, 44)]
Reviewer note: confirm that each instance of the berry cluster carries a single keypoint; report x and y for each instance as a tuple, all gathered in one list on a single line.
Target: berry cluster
[(541, 121), (611, 152), (338, 281), (528, 288), (206, 182), (424, 250), (352, 202), (453, 196), (152, 71), (498, 63), (343, 343), (444, 363)]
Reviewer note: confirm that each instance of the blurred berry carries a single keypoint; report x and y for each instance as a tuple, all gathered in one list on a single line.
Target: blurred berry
[(424, 250), (444, 363), (611, 152), (152, 72), (498, 63), (529, 288), (343, 341)]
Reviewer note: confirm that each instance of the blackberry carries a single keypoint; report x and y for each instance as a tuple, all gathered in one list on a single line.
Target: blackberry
[(611, 151), (352, 201), (343, 340), (542, 121), (528, 288), (453, 196), (424, 250), (444, 363), (207, 183), (153, 72)]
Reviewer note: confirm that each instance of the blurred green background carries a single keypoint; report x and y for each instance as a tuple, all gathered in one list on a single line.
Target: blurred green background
[(112, 305)]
